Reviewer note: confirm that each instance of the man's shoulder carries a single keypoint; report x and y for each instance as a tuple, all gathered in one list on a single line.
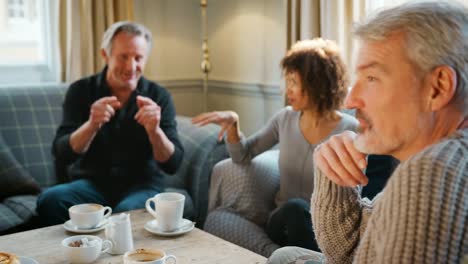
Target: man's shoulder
[(88, 81), (152, 87), (453, 147), (445, 158), (432, 173), (156, 92)]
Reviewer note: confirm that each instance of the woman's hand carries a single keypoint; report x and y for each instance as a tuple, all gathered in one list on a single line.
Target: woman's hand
[(228, 120)]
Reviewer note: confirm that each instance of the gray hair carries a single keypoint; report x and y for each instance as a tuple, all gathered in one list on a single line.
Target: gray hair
[(436, 34), (127, 27)]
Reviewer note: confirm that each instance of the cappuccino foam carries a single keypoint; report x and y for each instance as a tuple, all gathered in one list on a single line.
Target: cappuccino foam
[(145, 255)]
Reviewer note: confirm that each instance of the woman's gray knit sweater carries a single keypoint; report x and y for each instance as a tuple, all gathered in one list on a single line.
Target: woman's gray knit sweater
[(295, 159), (421, 216)]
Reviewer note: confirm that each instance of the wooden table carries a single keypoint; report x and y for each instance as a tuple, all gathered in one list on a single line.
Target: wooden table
[(197, 246)]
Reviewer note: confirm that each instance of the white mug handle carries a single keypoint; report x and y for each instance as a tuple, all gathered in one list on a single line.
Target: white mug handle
[(171, 257), (109, 211), (106, 246), (148, 206)]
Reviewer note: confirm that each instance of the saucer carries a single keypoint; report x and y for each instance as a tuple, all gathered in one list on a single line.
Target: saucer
[(26, 260), (72, 228), (186, 226)]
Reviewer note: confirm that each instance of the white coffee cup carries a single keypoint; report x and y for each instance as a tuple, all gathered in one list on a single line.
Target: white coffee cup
[(88, 215), (169, 210), (148, 256), (88, 254), (119, 232)]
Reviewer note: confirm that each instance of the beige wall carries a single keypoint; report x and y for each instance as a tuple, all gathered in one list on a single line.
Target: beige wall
[(176, 33), (246, 41)]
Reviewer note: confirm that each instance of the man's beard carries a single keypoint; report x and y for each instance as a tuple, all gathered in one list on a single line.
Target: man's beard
[(369, 141), (361, 115)]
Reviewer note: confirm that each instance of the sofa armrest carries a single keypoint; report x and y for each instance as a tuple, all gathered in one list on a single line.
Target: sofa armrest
[(246, 189), (201, 152)]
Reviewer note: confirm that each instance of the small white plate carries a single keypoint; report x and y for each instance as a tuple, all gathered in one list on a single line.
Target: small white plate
[(72, 228), (26, 260), (186, 226)]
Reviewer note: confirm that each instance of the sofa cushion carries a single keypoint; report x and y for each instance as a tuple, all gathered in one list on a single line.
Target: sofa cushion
[(247, 189), (14, 180), (29, 116), (237, 229), (198, 142), (8, 218), (202, 152), (24, 206)]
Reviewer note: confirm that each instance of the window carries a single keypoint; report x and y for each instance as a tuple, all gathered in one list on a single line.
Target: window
[(17, 10), (29, 43), (372, 5)]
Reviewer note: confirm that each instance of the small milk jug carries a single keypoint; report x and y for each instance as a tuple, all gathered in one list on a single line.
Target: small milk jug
[(119, 232)]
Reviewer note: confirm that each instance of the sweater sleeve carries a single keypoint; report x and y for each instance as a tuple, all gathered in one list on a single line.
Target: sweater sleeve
[(419, 217), (247, 148), (339, 216)]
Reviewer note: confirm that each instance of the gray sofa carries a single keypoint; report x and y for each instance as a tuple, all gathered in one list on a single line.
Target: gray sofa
[(242, 197), (29, 116)]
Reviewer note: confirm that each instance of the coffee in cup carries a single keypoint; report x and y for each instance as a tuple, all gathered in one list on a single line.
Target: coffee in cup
[(147, 256), (169, 210), (88, 215)]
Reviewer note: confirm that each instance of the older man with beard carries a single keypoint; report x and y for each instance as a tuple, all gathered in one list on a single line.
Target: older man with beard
[(411, 101)]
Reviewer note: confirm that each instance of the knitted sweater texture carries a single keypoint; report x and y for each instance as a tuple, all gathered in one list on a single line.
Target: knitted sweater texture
[(421, 216)]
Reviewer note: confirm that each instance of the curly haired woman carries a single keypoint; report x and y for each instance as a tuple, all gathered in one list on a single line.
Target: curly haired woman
[(316, 84)]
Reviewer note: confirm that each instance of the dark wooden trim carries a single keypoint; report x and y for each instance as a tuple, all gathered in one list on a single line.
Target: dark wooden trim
[(298, 20), (288, 24)]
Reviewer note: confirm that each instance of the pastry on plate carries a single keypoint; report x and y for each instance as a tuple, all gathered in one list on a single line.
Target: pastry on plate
[(7, 258)]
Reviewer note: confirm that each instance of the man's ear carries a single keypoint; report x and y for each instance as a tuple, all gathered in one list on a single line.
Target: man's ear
[(443, 86), (104, 55)]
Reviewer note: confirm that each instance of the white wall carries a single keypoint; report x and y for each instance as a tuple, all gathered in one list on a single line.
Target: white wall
[(246, 41)]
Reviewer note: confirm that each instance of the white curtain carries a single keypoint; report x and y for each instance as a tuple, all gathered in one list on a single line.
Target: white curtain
[(336, 22), (331, 19), (82, 24)]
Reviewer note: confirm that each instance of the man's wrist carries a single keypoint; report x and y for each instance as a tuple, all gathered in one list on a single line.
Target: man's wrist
[(156, 135), (93, 126)]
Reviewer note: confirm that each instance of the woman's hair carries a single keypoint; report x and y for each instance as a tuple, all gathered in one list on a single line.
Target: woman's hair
[(322, 72)]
